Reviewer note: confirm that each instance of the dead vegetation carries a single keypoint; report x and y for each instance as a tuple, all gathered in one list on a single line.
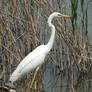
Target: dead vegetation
[(23, 26)]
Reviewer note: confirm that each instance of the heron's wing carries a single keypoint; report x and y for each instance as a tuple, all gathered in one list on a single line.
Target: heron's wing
[(29, 58), (36, 62)]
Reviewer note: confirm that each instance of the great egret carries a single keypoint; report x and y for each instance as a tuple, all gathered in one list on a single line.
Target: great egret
[(36, 58)]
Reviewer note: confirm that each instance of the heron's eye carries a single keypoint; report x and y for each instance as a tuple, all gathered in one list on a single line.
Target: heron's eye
[(59, 15)]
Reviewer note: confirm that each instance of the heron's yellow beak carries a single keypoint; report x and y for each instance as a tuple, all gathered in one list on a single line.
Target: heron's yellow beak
[(65, 16)]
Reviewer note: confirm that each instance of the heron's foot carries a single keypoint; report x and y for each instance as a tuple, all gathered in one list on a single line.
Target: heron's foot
[(34, 86)]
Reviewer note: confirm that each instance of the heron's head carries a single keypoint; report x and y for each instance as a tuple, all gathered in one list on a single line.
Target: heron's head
[(57, 14)]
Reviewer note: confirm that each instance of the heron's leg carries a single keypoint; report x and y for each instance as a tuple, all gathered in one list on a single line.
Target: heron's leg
[(34, 77)]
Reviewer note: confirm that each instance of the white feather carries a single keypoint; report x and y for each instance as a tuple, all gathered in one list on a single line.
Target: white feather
[(34, 59), (30, 62)]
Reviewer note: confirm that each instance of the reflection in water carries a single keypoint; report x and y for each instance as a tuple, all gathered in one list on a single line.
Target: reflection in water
[(67, 81)]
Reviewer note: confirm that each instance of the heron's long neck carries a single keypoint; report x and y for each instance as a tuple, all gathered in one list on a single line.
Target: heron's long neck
[(51, 41)]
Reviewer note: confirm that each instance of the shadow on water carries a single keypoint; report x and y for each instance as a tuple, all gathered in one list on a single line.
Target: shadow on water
[(26, 23)]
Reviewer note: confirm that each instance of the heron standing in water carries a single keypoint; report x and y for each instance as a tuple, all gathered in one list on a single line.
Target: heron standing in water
[(35, 59)]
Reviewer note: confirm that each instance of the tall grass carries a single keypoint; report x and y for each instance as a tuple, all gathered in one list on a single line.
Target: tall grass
[(24, 26), (74, 6)]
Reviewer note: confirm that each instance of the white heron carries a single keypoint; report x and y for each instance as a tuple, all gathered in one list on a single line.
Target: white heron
[(36, 58)]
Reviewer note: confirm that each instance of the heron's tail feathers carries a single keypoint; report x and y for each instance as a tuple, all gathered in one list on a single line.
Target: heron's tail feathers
[(14, 77), (10, 85)]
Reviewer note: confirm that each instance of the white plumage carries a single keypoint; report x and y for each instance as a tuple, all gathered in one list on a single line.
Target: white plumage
[(36, 58), (30, 62)]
